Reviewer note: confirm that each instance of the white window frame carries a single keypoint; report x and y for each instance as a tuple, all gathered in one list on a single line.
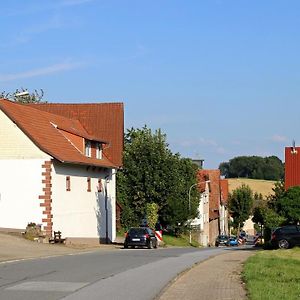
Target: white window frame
[(99, 151), (88, 148)]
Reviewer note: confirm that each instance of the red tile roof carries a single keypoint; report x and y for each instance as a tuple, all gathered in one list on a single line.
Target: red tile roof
[(104, 121), (215, 191), (224, 190), (42, 128)]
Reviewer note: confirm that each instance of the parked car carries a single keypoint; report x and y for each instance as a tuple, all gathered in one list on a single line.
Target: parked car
[(140, 237), (233, 241), (222, 240), (286, 237)]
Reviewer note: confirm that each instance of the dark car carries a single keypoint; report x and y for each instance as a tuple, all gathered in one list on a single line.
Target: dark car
[(140, 237), (286, 237), (222, 240)]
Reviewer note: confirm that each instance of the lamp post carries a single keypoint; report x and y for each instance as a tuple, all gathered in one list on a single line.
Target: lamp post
[(195, 184)]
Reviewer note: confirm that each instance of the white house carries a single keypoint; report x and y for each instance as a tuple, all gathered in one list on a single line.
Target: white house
[(202, 220), (58, 165)]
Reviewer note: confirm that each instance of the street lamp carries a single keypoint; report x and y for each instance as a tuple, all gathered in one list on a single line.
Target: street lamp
[(195, 184)]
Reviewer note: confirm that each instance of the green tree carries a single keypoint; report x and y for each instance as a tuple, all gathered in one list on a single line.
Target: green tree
[(256, 167), (152, 214), (289, 205), (240, 205), (152, 174)]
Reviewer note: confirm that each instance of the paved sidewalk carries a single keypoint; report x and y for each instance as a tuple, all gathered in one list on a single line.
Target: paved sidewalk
[(216, 278), (16, 248)]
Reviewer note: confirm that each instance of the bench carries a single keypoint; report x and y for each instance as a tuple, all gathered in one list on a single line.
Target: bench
[(56, 238)]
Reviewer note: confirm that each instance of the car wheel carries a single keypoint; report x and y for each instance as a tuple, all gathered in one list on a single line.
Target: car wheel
[(150, 244), (283, 244)]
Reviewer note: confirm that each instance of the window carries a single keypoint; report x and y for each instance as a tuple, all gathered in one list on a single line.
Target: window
[(89, 184), (99, 150), (99, 185), (88, 148), (68, 184)]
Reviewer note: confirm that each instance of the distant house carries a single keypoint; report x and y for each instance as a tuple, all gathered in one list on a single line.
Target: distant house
[(224, 215), (212, 212), (58, 165), (201, 222)]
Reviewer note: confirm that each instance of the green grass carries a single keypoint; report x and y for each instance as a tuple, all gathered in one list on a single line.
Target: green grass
[(182, 241), (272, 275)]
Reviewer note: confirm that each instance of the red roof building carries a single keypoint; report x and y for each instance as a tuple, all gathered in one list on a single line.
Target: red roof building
[(292, 166), (63, 159)]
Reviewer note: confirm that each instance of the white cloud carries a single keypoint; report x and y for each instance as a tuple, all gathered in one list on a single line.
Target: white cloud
[(57, 68), (279, 138)]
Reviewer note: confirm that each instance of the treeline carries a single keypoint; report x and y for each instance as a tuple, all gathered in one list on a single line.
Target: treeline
[(255, 167)]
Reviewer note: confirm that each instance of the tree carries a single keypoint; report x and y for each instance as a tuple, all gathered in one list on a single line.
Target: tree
[(152, 174), (289, 205), (256, 167), (23, 96), (240, 205), (152, 214)]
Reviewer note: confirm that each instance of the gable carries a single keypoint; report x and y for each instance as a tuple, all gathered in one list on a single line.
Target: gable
[(14, 144), (44, 130), (104, 121)]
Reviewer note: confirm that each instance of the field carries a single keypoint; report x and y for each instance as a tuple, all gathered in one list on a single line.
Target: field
[(260, 186), (273, 275)]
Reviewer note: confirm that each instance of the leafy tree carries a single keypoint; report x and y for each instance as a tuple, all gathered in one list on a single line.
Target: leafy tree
[(240, 205), (152, 174), (23, 96), (278, 192), (289, 205), (256, 167), (152, 214)]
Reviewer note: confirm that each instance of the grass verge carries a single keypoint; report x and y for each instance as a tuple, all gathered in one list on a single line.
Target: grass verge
[(273, 275), (182, 241)]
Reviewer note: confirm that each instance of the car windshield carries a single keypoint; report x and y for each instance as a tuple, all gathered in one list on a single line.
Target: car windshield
[(223, 237), (137, 231)]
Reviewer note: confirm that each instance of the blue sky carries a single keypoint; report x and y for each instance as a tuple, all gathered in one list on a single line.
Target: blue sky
[(220, 78)]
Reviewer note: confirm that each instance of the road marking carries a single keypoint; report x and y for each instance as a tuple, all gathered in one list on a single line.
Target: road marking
[(48, 286)]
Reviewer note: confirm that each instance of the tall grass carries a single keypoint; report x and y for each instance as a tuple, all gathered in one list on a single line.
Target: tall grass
[(272, 275)]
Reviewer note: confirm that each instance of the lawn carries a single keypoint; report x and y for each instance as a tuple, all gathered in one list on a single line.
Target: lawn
[(273, 275)]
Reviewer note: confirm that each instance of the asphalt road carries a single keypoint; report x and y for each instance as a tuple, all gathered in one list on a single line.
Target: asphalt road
[(117, 274)]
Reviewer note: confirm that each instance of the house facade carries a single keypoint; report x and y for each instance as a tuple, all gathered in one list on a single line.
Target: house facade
[(201, 223), (59, 170), (212, 217)]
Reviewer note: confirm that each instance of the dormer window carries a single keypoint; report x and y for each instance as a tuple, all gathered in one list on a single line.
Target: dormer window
[(88, 148), (99, 150)]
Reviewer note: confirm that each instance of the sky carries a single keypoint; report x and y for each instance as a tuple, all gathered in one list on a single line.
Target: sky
[(221, 78)]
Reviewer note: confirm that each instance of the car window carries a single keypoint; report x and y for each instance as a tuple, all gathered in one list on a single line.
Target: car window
[(150, 231), (288, 229), (137, 231)]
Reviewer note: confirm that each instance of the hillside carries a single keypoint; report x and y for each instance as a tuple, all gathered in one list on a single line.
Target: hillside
[(260, 186)]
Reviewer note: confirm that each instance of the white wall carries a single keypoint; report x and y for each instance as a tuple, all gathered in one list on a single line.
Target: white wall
[(14, 143), (20, 177), (20, 187), (79, 213)]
